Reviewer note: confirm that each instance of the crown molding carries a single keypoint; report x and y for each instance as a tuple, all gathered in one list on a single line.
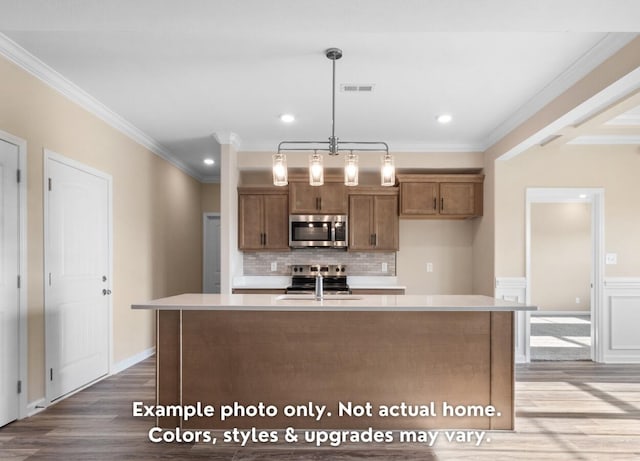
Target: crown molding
[(605, 48), (214, 179), (34, 66), (227, 137)]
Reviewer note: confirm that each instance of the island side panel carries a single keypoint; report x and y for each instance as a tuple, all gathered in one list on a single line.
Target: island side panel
[(502, 369), (297, 357), (168, 364)]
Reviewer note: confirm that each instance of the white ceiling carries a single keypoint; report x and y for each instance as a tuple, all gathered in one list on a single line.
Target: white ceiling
[(181, 71)]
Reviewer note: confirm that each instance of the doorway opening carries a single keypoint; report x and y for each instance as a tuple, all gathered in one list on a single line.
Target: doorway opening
[(564, 244)]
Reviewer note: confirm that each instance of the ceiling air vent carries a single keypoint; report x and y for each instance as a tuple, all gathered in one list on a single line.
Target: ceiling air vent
[(357, 87)]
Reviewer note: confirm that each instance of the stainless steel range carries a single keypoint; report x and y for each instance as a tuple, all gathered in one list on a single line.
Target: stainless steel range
[(334, 279)]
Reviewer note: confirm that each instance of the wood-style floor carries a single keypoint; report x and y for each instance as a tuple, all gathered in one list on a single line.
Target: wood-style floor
[(564, 411)]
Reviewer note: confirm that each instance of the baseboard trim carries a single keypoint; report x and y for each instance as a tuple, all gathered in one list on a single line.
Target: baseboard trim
[(131, 361), (36, 407)]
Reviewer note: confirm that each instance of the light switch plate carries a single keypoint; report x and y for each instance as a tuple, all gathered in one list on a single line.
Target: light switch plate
[(385, 267), (429, 267), (611, 258)]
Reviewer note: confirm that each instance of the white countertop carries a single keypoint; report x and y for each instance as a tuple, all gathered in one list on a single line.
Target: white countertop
[(306, 303)]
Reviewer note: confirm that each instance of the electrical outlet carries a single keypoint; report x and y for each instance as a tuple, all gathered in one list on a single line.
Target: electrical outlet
[(274, 267), (577, 300), (611, 258), (385, 267), (429, 267)]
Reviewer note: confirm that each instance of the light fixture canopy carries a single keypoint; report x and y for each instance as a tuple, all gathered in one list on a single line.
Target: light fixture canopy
[(333, 146)]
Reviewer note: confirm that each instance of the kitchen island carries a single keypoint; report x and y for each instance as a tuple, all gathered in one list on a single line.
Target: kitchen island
[(451, 356)]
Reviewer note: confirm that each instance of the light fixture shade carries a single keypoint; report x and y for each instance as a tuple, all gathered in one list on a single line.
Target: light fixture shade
[(280, 177), (351, 170), (387, 171), (316, 170)]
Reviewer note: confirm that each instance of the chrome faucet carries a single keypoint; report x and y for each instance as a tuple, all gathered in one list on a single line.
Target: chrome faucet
[(319, 288)]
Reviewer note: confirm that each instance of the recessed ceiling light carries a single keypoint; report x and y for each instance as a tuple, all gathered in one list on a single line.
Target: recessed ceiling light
[(444, 118), (209, 161), (287, 118), (582, 195)]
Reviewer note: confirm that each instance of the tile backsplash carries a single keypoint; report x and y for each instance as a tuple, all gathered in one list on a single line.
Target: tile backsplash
[(357, 262)]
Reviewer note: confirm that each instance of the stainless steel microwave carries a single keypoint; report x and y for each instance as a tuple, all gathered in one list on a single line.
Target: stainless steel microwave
[(308, 231)]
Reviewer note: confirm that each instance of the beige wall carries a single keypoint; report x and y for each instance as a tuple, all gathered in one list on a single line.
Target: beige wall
[(561, 256), (448, 244), (210, 198), (157, 229), (614, 168)]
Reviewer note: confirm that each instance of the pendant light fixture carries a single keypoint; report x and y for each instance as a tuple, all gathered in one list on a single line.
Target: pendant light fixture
[(333, 147), (280, 170), (351, 169)]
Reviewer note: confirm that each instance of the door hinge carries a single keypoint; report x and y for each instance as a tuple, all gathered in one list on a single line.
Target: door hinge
[(18, 175), (18, 281), (50, 374), (19, 387), (49, 278), (49, 184)]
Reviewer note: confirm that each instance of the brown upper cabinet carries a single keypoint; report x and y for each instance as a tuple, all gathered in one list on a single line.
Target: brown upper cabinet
[(330, 198), (263, 218), (444, 196), (373, 219)]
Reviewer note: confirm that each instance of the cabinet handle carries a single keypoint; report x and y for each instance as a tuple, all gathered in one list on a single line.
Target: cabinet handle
[(375, 240), (442, 204), (435, 203), (264, 239)]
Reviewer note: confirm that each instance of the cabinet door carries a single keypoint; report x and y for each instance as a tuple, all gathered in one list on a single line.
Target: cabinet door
[(386, 222), (333, 198), (250, 219), (276, 222), (457, 199), (360, 222), (419, 198), (304, 198)]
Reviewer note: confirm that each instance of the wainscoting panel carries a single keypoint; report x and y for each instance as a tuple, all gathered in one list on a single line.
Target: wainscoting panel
[(621, 319), (515, 289)]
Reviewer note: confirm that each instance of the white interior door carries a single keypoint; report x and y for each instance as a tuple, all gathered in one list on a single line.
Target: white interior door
[(77, 285), (9, 292), (211, 256)]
